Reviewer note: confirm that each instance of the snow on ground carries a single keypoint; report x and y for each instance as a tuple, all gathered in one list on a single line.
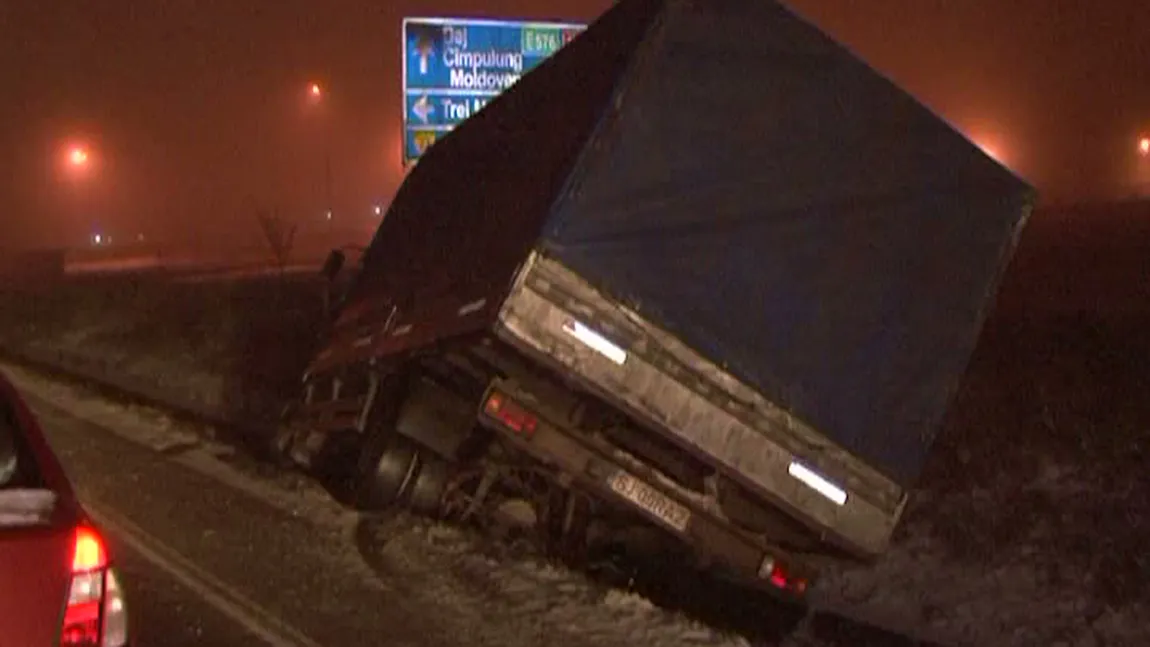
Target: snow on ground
[(450, 565), (1029, 528), (919, 585), (226, 349), (443, 566), (200, 447), (1030, 525)]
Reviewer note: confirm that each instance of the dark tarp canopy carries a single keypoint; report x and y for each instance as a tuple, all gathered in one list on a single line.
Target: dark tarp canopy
[(728, 171)]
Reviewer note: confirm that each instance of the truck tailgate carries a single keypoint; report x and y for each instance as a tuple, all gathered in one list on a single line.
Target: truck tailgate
[(551, 312)]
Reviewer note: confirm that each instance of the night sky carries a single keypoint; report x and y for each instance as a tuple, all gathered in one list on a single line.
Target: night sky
[(196, 113)]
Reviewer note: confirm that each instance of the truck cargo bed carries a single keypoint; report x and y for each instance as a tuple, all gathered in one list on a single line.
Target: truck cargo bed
[(697, 404)]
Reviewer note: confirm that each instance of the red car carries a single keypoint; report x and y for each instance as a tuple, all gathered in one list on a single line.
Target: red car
[(57, 583)]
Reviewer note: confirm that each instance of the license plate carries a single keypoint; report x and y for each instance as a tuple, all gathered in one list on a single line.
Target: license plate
[(648, 498)]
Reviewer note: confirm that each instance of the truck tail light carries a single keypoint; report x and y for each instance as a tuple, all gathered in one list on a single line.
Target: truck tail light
[(95, 615), (783, 580), (510, 414), (777, 575)]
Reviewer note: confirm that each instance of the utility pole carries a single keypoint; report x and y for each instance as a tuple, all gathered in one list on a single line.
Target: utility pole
[(317, 97)]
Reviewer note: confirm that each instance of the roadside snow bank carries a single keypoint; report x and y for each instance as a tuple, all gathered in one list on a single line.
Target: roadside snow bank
[(1031, 521), (222, 349)]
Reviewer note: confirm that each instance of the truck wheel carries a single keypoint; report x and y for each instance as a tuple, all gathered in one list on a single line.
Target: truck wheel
[(388, 466), (430, 483)]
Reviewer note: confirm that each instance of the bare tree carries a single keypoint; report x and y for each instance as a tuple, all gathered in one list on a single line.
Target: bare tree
[(279, 234)]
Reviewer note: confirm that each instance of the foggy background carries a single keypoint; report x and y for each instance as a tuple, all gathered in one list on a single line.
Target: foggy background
[(196, 113)]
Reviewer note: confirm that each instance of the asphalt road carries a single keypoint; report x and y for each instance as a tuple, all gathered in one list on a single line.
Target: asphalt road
[(206, 562), (218, 550)]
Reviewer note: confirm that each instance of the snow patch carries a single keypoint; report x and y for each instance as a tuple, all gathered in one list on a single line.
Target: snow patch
[(445, 563), (1008, 599), (195, 448)]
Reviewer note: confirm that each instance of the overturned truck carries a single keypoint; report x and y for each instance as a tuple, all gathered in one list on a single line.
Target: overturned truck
[(702, 281)]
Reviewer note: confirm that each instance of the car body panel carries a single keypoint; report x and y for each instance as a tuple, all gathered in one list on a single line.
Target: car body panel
[(35, 556)]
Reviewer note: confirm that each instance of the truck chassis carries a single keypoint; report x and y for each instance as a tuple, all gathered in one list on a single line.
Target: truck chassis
[(528, 424)]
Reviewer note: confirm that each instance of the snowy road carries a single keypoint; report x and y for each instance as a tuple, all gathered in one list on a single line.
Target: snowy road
[(220, 550)]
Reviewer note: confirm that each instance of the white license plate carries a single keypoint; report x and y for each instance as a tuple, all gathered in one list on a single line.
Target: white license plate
[(648, 498)]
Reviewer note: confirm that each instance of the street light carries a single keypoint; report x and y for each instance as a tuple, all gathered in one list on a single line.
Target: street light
[(1144, 146), (78, 157), (316, 94), (991, 150), (78, 160)]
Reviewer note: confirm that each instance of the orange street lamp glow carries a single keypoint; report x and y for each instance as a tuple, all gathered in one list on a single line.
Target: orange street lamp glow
[(1144, 146), (315, 90), (990, 150), (78, 157)]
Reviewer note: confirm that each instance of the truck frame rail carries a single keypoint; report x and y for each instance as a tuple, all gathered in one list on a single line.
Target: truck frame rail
[(597, 467)]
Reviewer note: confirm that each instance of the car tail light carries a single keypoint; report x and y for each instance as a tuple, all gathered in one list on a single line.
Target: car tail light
[(513, 416), (95, 615)]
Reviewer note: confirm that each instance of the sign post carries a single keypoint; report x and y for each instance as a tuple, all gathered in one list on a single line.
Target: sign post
[(453, 66)]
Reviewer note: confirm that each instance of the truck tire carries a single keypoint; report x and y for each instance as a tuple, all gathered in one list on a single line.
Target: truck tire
[(398, 471), (388, 466), (430, 483)]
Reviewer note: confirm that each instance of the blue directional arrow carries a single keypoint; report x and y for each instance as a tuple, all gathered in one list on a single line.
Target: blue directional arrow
[(423, 108)]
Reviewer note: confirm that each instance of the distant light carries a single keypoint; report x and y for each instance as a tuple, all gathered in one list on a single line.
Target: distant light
[(991, 142), (377, 210), (327, 214), (78, 157), (991, 151), (315, 90), (97, 239), (1144, 146)]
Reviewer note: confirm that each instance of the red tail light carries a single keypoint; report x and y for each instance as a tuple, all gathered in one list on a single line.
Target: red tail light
[(783, 580), (777, 575), (513, 416), (95, 615), (89, 554)]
